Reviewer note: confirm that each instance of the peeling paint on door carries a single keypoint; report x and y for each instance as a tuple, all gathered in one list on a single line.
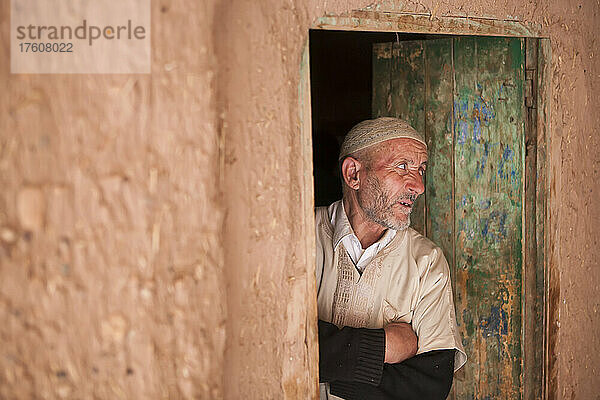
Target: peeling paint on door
[(467, 95)]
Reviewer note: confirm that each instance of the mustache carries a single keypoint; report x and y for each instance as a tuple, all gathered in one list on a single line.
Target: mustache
[(407, 196)]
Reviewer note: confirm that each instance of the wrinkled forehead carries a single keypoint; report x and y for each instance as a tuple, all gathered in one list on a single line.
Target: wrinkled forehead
[(402, 148)]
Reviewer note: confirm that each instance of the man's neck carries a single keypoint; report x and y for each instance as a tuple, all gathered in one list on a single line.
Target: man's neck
[(367, 231)]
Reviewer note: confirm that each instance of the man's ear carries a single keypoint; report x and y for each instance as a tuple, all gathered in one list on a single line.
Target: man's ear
[(350, 168)]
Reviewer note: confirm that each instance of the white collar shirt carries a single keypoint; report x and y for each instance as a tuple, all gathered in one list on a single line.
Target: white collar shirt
[(344, 234)]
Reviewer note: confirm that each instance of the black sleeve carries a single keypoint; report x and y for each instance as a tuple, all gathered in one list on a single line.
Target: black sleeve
[(425, 376), (350, 354)]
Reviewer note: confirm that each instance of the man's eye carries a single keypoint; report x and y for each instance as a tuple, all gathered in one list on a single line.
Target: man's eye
[(402, 166), (421, 171)]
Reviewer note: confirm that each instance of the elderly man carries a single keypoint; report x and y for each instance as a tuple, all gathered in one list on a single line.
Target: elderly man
[(387, 327)]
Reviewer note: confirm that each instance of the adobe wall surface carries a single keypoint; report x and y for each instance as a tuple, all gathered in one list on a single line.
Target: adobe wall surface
[(259, 71), (150, 224), (111, 264)]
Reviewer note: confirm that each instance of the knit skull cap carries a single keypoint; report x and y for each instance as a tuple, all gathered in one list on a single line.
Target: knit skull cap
[(373, 131)]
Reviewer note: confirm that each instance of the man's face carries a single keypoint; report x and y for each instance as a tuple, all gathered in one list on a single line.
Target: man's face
[(391, 182)]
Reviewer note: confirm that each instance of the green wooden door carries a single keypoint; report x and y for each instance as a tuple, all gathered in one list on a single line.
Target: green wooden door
[(466, 94)]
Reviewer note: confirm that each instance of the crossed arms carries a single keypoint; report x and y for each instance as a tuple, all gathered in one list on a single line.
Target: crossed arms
[(381, 364)]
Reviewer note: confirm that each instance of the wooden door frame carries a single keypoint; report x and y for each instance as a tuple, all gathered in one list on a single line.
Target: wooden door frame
[(540, 226)]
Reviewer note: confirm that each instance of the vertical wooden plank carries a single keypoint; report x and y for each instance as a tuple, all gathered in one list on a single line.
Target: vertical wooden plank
[(438, 131), (440, 165), (548, 233), (463, 55), (489, 159), (533, 276), (439, 203), (407, 95), (382, 64)]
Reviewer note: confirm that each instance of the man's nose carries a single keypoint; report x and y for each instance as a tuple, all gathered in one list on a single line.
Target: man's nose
[(415, 183)]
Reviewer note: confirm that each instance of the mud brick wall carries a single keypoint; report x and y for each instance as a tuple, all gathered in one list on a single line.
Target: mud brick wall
[(151, 226)]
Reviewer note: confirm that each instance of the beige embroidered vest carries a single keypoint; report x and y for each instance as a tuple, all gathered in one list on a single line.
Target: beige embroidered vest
[(407, 281)]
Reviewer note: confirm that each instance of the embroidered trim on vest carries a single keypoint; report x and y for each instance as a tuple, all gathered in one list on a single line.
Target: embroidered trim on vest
[(353, 302)]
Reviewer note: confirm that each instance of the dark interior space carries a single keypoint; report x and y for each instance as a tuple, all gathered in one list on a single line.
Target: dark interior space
[(341, 91), (341, 75)]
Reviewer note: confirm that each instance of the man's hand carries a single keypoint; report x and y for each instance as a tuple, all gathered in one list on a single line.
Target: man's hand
[(400, 342)]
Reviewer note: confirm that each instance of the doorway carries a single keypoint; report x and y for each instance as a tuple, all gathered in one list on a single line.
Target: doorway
[(474, 97)]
